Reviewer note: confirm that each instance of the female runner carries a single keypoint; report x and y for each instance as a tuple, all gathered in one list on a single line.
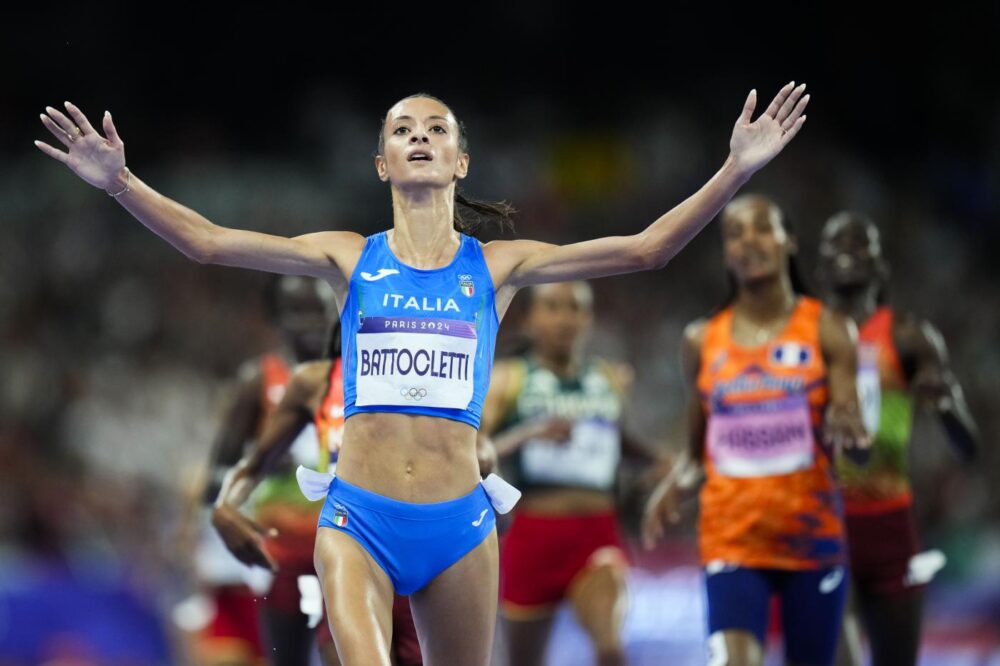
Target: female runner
[(770, 369), (903, 362), (558, 415), (420, 304)]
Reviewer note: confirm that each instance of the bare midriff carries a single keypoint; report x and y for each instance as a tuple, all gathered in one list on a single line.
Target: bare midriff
[(417, 459)]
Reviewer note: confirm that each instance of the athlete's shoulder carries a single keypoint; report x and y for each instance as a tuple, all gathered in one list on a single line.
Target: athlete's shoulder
[(695, 331), (308, 381), (311, 372), (914, 335), (335, 241), (509, 253), (341, 248)]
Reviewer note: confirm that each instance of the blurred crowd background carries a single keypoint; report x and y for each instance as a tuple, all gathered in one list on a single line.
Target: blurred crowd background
[(117, 353)]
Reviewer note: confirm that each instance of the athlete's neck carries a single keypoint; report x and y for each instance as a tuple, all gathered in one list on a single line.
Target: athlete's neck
[(423, 233), (765, 300), (561, 365), (857, 302)]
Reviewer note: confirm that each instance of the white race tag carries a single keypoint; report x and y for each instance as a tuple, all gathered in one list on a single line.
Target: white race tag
[(589, 458)]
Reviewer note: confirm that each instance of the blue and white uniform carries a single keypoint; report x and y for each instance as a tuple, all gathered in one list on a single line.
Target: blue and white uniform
[(415, 341), (419, 341)]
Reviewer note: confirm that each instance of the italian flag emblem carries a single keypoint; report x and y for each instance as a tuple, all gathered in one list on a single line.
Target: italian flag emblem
[(340, 517), (466, 285)]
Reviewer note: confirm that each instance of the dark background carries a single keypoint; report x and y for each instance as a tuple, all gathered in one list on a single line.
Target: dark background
[(116, 351)]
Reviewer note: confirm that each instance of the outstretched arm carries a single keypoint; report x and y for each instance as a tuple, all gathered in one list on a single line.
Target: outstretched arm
[(934, 384), (753, 144), (100, 161)]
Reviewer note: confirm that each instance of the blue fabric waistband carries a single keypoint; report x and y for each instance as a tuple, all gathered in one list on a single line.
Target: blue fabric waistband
[(411, 510)]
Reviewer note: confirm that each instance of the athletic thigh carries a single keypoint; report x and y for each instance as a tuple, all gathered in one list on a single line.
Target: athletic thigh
[(812, 609), (455, 614), (357, 595)]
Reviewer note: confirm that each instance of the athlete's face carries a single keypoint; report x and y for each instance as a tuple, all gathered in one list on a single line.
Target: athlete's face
[(755, 243), (850, 254), (303, 308), (559, 317), (421, 140)]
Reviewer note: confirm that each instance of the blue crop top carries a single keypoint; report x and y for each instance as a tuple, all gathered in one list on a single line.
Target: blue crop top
[(419, 341)]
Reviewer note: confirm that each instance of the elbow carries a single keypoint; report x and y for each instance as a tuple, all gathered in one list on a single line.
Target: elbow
[(202, 251), (648, 256)]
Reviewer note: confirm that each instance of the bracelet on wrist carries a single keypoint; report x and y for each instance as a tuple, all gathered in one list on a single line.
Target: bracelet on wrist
[(128, 185)]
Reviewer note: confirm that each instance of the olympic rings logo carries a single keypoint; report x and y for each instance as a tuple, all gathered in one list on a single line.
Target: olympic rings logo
[(413, 393)]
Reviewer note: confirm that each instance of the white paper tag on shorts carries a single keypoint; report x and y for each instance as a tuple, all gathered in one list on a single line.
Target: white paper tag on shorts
[(314, 485), (503, 496)]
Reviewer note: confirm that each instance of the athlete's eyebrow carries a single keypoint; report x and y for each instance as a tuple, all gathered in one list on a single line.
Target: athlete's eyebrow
[(428, 118)]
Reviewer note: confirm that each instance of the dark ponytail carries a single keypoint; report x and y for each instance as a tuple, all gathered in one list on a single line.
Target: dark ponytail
[(479, 215)]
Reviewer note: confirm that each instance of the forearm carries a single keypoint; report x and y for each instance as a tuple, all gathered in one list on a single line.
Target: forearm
[(687, 472), (960, 425), (668, 235), (185, 229), (512, 439), (636, 447), (239, 483)]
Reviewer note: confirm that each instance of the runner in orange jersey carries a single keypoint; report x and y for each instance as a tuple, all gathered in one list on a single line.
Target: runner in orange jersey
[(776, 400)]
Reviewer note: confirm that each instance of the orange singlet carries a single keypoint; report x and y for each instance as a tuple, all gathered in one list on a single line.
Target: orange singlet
[(770, 499)]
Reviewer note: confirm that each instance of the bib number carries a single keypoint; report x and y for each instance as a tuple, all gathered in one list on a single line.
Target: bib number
[(413, 361), (589, 458), (762, 439), (869, 383)]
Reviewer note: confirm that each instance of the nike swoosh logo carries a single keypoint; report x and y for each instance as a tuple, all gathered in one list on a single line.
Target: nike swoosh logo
[(830, 581), (382, 272), (477, 523)]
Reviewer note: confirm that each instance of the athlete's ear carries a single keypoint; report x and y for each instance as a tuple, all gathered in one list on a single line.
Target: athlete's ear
[(462, 168), (381, 168)]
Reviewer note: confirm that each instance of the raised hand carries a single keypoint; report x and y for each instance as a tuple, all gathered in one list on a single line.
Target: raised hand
[(756, 143), (94, 158)]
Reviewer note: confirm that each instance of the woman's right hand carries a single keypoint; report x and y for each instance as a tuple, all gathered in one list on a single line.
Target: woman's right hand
[(243, 537), (663, 507), (554, 429), (92, 157)]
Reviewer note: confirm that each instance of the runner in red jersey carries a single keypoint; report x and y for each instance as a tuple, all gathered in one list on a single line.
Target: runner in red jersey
[(903, 364), (271, 622)]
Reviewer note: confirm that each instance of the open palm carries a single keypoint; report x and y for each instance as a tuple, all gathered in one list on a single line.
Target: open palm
[(92, 157), (754, 144)]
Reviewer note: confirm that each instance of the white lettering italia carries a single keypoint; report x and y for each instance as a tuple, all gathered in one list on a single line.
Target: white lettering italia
[(423, 303)]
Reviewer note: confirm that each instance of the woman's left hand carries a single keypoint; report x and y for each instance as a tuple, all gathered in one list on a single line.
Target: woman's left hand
[(844, 431), (756, 143)]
